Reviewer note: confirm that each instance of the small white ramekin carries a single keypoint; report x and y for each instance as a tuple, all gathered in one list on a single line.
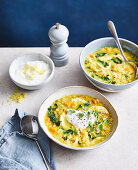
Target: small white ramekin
[(30, 57)]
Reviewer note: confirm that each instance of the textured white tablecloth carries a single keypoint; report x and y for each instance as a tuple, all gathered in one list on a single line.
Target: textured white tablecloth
[(120, 153)]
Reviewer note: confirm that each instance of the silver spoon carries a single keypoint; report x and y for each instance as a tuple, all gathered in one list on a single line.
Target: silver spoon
[(29, 127), (112, 29)]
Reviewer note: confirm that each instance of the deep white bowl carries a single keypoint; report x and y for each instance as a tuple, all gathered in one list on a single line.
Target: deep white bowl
[(75, 90), (101, 43), (31, 57)]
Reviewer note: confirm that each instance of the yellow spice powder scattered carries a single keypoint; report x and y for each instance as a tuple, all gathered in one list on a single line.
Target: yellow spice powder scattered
[(17, 97)]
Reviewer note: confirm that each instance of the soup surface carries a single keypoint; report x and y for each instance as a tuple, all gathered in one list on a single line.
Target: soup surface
[(79, 120), (107, 65)]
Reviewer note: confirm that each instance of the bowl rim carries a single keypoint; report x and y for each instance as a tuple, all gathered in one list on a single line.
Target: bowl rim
[(105, 38), (78, 148), (32, 55)]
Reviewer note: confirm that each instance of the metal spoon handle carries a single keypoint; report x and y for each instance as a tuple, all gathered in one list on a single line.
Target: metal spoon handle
[(43, 155), (112, 29)]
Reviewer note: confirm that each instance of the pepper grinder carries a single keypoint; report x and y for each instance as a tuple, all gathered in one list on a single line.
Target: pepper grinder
[(58, 35)]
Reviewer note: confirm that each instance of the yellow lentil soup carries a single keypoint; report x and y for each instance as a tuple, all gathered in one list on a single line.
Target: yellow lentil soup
[(107, 65), (79, 120)]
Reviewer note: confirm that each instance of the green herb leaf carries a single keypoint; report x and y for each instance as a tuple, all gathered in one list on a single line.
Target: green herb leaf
[(64, 131), (53, 117), (97, 122), (86, 105), (69, 131), (76, 131), (95, 112), (99, 127), (65, 138), (103, 63), (100, 54), (91, 127), (126, 76), (120, 61), (80, 115), (90, 136), (88, 114), (58, 123), (93, 73), (106, 120), (117, 60), (50, 109), (55, 106), (98, 133), (72, 111), (80, 106), (90, 124), (105, 78)]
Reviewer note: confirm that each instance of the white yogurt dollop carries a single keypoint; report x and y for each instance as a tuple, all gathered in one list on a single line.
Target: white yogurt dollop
[(80, 119), (32, 72)]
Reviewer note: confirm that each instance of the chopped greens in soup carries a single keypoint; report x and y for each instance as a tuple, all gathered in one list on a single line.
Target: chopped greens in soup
[(107, 65), (79, 120)]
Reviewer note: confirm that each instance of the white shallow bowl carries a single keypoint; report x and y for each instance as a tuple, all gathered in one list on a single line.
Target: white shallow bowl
[(30, 57), (101, 43), (75, 90)]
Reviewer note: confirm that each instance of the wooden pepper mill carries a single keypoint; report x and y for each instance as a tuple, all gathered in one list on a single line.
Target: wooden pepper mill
[(58, 35)]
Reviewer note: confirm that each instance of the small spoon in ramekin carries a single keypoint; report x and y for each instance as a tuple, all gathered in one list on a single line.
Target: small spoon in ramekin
[(113, 31)]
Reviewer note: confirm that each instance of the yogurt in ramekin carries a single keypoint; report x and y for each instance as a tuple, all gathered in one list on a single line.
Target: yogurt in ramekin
[(31, 71)]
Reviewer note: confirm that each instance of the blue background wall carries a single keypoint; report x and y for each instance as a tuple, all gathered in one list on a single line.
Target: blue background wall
[(26, 22)]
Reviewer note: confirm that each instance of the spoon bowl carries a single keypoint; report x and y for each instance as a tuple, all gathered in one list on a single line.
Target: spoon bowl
[(30, 128), (113, 31)]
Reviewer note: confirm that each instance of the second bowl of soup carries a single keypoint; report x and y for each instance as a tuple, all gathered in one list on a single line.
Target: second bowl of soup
[(104, 66)]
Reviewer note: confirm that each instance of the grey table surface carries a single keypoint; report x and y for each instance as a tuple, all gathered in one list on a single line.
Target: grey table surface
[(120, 153)]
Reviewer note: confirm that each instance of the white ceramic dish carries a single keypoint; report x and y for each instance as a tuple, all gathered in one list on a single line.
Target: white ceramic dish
[(101, 43), (31, 57), (75, 90)]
